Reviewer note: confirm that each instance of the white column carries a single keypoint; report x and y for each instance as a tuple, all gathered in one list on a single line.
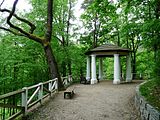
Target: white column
[(93, 66), (116, 69), (128, 69), (100, 69), (88, 74)]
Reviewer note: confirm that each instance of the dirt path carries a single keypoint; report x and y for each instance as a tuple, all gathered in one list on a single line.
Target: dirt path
[(103, 101)]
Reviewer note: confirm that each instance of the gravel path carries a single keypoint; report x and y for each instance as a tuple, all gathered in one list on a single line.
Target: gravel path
[(103, 101)]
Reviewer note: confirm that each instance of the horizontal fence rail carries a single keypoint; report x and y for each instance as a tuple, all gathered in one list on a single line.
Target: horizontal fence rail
[(10, 105), (19, 102), (67, 80), (37, 93), (134, 76)]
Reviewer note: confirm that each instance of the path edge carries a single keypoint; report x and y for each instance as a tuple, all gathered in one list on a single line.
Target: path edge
[(146, 111)]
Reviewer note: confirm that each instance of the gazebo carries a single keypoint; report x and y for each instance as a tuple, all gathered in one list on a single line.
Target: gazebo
[(107, 50)]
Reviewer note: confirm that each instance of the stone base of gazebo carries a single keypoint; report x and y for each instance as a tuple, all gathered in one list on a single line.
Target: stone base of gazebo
[(116, 81), (94, 81)]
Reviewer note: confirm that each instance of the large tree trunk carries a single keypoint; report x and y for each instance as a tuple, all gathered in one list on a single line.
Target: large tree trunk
[(52, 64), (45, 41)]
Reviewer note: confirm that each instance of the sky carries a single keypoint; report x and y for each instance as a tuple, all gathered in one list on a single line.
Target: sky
[(77, 8), (22, 5), (77, 13)]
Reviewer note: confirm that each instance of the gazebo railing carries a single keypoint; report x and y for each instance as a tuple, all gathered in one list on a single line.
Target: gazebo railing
[(137, 76), (141, 76)]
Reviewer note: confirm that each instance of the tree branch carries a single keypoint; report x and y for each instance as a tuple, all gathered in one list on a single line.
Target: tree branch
[(11, 31), (58, 39), (33, 27), (10, 16), (1, 3), (26, 34)]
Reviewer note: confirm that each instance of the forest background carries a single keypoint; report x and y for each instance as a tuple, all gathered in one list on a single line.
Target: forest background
[(132, 24)]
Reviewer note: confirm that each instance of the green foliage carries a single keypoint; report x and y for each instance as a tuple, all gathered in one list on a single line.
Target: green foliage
[(151, 92), (22, 63), (145, 63), (131, 24)]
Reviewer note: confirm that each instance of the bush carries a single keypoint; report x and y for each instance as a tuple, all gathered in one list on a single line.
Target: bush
[(151, 91)]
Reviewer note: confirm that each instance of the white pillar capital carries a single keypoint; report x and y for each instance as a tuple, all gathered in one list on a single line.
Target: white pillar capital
[(93, 55), (116, 69), (93, 68)]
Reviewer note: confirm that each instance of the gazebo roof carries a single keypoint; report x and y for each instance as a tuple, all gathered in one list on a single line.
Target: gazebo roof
[(108, 50)]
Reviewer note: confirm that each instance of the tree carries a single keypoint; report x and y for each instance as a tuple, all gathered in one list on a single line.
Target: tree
[(62, 19), (45, 41)]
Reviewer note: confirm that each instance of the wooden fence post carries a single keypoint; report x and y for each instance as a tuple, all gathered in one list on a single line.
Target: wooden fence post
[(56, 85), (66, 81), (140, 75), (50, 85), (24, 99), (40, 92), (69, 78)]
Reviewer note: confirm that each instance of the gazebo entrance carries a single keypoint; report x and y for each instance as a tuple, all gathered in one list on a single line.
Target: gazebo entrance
[(107, 50)]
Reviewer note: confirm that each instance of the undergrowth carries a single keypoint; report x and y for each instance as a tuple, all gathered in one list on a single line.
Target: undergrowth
[(151, 91)]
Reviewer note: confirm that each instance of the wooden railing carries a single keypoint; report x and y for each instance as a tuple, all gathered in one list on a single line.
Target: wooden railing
[(10, 105), (138, 76), (38, 93), (67, 80), (141, 76), (19, 102), (22, 100)]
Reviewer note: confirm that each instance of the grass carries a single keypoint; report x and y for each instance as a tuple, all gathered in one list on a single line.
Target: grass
[(151, 91)]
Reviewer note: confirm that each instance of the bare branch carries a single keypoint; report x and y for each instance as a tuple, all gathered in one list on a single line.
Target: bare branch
[(26, 34), (10, 16), (58, 39), (11, 31), (1, 3), (33, 27)]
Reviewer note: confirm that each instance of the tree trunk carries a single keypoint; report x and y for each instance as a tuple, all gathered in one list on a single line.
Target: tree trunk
[(95, 32), (45, 41), (134, 65), (52, 64), (69, 66), (118, 36), (63, 68)]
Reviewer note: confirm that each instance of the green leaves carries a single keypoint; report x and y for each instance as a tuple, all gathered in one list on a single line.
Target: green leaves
[(20, 61)]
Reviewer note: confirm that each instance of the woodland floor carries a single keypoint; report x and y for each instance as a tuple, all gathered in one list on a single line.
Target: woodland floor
[(102, 101)]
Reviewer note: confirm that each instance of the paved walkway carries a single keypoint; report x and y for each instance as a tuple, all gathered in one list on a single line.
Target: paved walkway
[(103, 101)]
